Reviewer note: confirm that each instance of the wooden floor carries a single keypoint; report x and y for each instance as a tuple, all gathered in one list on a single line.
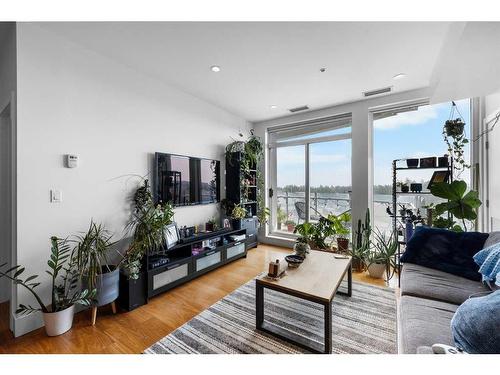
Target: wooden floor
[(132, 332)]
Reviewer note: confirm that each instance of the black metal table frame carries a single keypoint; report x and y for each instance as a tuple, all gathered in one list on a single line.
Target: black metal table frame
[(281, 333)]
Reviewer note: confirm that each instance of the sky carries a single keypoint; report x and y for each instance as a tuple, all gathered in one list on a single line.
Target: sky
[(408, 134)]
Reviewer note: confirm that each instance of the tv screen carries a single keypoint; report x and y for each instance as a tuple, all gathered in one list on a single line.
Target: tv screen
[(184, 180)]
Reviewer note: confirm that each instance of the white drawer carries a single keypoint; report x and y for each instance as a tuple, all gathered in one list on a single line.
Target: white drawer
[(208, 261), (170, 276), (235, 250)]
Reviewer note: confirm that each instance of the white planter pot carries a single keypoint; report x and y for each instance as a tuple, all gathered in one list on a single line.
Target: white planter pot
[(376, 270), (57, 323)]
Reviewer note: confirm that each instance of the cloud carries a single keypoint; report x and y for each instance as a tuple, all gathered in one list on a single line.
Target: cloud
[(419, 117)]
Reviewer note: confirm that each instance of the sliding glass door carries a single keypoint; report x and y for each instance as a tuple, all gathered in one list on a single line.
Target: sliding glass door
[(309, 174)]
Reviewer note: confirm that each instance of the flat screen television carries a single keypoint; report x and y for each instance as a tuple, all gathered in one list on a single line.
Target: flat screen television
[(185, 181)]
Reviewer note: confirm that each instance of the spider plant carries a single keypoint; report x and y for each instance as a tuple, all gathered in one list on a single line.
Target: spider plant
[(91, 253)]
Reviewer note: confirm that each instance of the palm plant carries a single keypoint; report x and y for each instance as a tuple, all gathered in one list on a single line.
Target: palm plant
[(91, 253), (64, 292)]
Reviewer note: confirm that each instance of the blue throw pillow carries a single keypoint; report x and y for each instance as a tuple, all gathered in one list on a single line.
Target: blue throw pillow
[(489, 264), (446, 251), (475, 326)]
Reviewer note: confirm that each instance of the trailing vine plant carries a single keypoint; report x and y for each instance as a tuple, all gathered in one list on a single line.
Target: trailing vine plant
[(455, 138)]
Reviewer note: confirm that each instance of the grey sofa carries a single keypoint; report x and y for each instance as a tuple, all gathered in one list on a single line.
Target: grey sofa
[(429, 298)]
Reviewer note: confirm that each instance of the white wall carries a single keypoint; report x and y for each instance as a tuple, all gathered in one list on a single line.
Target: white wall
[(491, 108), (7, 88), (362, 163), (72, 100)]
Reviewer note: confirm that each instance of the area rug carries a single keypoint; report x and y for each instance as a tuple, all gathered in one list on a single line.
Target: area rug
[(363, 323)]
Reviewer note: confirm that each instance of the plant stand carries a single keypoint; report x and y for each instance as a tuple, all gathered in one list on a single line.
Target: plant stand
[(396, 217), (94, 311)]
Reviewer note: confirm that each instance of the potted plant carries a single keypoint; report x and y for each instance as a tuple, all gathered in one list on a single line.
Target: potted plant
[(412, 163), (382, 257), (146, 228), (361, 243), (302, 245), (58, 315), (211, 225), (280, 216), (91, 252), (290, 225), (455, 139), (237, 214), (403, 186), (340, 228), (460, 204)]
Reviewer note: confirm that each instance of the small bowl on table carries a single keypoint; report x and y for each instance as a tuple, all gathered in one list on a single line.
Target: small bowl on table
[(294, 261)]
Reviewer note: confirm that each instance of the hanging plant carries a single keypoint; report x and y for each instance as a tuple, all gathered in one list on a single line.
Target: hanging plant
[(455, 138)]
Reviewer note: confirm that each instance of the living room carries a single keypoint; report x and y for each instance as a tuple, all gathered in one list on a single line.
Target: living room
[(182, 187)]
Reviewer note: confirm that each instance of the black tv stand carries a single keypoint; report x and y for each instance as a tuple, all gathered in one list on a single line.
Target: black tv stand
[(183, 266)]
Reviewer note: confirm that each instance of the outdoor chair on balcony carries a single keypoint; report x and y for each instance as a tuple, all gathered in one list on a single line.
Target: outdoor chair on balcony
[(300, 207)]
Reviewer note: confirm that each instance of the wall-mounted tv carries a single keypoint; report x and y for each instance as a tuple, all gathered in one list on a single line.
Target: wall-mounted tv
[(184, 180)]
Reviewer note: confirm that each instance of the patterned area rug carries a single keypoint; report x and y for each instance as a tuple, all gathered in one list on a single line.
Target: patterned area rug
[(363, 323)]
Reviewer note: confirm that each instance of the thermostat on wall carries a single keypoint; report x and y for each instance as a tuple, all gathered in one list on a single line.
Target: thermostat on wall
[(71, 161)]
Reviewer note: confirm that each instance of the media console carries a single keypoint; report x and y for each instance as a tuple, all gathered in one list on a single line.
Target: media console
[(183, 266)]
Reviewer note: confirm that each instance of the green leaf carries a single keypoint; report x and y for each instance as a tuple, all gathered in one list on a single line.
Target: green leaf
[(18, 272), (33, 277), (472, 199)]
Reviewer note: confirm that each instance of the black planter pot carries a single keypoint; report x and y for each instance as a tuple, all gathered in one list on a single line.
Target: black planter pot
[(416, 187), (405, 189), (443, 161), (132, 292), (236, 224), (412, 163)]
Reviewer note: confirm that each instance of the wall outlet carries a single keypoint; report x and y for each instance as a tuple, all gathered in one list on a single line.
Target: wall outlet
[(55, 196)]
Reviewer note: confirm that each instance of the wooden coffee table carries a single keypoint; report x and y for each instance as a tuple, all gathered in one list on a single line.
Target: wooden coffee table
[(316, 280)]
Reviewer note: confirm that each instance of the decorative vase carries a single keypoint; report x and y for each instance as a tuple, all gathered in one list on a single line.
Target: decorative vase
[(301, 249), (59, 322), (342, 245), (290, 227), (376, 270)]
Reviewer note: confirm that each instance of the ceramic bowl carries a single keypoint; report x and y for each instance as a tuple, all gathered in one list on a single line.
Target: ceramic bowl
[(294, 260)]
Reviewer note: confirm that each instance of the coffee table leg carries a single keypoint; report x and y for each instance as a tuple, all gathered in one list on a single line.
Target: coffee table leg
[(328, 328), (349, 281), (259, 305)]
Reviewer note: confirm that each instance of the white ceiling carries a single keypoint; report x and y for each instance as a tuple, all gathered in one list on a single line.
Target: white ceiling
[(270, 63)]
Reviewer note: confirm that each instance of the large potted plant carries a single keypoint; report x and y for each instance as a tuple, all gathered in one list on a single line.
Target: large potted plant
[(146, 228), (382, 256), (461, 204), (58, 315), (91, 252)]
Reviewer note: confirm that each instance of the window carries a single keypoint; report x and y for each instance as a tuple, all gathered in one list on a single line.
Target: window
[(410, 132), (310, 172)]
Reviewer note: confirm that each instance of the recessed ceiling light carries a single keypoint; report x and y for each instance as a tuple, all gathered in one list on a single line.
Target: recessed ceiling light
[(399, 76), (274, 106), (215, 68)]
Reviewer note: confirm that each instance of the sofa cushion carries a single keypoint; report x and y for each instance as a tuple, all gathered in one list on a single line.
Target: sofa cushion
[(433, 284), (493, 238), (445, 250), (423, 322)]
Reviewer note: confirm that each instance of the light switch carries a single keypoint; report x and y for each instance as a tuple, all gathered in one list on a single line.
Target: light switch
[(55, 196)]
